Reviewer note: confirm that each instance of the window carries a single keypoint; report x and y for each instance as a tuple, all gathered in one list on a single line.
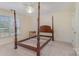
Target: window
[(7, 26)]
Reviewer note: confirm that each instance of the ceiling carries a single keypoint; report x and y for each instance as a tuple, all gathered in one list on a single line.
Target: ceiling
[(46, 7)]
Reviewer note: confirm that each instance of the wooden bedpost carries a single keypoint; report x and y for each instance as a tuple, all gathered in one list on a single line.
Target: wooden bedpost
[(15, 29), (38, 34), (52, 30)]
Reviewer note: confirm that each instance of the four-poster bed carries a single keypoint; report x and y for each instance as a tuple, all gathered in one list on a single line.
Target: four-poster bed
[(40, 29)]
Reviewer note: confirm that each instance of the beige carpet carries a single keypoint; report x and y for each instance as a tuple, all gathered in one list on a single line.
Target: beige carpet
[(55, 48), (33, 41)]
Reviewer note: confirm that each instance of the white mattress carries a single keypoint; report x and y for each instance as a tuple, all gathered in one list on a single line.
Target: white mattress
[(33, 41)]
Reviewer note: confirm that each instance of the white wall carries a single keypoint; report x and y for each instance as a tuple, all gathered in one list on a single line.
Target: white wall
[(24, 26), (62, 24)]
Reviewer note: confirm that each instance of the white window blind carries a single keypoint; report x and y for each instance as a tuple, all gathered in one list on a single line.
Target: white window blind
[(7, 26)]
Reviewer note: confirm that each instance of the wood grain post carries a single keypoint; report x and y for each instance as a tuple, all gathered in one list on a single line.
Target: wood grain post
[(38, 34), (15, 28), (52, 30)]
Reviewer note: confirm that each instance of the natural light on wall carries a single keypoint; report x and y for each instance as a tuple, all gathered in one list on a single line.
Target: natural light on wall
[(29, 9)]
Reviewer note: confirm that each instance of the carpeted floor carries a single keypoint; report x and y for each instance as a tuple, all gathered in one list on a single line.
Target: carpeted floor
[(55, 48)]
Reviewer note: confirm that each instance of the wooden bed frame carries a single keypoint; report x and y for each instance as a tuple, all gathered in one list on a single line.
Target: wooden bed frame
[(44, 29)]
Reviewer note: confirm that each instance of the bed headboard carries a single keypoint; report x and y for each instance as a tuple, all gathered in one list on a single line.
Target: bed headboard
[(46, 29)]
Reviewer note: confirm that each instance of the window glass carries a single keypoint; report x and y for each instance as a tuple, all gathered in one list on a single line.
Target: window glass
[(7, 26)]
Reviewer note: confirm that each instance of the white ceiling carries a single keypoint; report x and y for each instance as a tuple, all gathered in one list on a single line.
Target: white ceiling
[(46, 7)]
